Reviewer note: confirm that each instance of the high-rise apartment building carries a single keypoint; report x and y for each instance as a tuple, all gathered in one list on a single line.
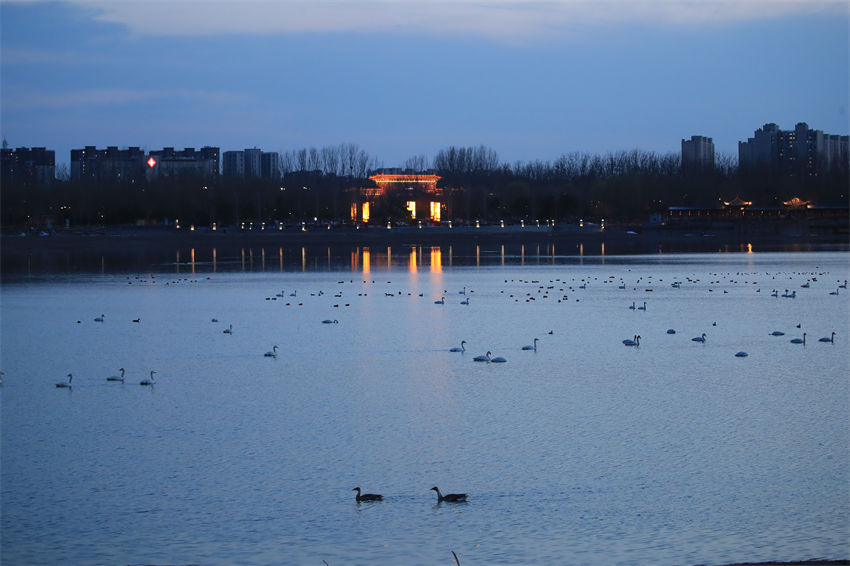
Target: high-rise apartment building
[(251, 163), (92, 165), (697, 155), (801, 151), (31, 167), (188, 163)]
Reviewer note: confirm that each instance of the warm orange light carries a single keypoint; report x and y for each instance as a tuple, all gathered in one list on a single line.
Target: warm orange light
[(411, 207), (367, 258), (411, 267), (365, 215), (436, 260), (435, 211), (354, 212)]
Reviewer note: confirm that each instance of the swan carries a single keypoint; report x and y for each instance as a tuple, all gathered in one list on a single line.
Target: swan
[(830, 339), (99, 318), (66, 383), (777, 333), (623, 286), (367, 496), (799, 340), (442, 301), (462, 292), (484, 358), (149, 381), (465, 302), (498, 360), (834, 292), (329, 321), (741, 355), (272, 353), (633, 306), (844, 286), (228, 330), (116, 378), (775, 293), (671, 331), (633, 342), (459, 349), (530, 346), (699, 338), (292, 294), (643, 308), (450, 497)]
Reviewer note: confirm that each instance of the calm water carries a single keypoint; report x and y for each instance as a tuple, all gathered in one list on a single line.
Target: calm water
[(583, 452)]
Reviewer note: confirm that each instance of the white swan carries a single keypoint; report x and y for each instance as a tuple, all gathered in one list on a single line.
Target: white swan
[(329, 321), (633, 306), (777, 333), (462, 292), (272, 353), (834, 292), (699, 338), (228, 330), (830, 339), (799, 340), (671, 331), (465, 302), (116, 378), (99, 318), (532, 347), (741, 355), (459, 349), (484, 358), (633, 342), (149, 381), (66, 384), (442, 301), (498, 360), (643, 308)]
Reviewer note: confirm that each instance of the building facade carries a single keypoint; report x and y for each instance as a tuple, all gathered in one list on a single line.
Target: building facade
[(798, 152), (92, 165), (251, 163), (418, 193), (30, 167), (188, 163), (697, 155)]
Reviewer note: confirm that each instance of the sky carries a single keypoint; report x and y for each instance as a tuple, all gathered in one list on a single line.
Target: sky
[(529, 79)]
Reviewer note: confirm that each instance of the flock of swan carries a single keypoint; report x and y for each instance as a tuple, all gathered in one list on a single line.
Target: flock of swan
[(448, 498)]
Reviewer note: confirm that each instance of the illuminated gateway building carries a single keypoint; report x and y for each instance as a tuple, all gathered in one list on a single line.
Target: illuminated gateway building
[(418, 193)]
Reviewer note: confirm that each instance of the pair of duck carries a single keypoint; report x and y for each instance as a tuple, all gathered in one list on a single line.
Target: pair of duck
[(449, 497)]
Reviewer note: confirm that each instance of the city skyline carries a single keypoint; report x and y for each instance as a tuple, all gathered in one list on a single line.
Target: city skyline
[(529, 80)]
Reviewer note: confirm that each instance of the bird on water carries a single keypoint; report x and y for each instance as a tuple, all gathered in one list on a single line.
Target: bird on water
[(149, 381), (484, 358), (117, 378), (459, 349), (830, 339), (449, 497), (530, 346), (66, 383), (367, 496)]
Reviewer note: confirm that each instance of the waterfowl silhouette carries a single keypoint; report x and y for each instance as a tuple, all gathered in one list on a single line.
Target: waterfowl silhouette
[(149, 381), (699, 338), (367, 496), (459, 349), (272, 353), (66, 384), (830, 339), (449, 497), (116, 378), (484, 358), (799, 340), (531, 346)]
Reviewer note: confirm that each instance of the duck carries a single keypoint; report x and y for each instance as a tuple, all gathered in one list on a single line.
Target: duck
[(531, 346), (149, 381), (484, 358), (459, 348), (830, 339), (116, 378), (367, 496), (271, 353), (65, 384), (449, 497), (699, 338), (799, 340)]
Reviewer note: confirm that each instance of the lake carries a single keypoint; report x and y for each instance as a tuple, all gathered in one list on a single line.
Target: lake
[(585, 451)]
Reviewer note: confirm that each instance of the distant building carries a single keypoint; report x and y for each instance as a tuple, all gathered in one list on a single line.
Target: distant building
[(697, 155), (30, 167), (188, 163), (798, 152), (92, 165), (418, 193), (249, 163)]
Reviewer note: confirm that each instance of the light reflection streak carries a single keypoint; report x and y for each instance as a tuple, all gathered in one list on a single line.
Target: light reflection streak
[(411, 264), (280, 258), (214, 259), (436, 260), (192, 257), (177, 263), (367, 259), (263, 259), (303, 258)]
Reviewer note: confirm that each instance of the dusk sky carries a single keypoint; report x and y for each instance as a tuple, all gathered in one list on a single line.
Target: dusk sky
[(530, 79)]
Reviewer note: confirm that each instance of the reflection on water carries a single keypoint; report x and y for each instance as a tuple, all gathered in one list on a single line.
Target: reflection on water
[(223, 258)]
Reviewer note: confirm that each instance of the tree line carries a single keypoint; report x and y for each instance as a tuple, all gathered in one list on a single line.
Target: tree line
[(319, 185)]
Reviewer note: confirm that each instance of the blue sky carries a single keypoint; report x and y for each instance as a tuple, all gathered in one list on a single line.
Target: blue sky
[(530, 79)]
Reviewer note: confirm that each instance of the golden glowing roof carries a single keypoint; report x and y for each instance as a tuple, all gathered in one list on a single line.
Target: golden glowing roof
[(398, 178)]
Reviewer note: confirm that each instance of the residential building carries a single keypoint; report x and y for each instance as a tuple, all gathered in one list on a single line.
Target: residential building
[(31, 167), (188, 163), (233, 164), (270, 165), (798, 152), (697, 155), (249, 163), (92, 165)]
